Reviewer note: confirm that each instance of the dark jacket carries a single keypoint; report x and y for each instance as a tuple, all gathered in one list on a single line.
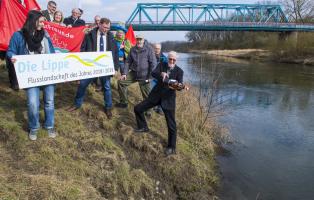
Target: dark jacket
[(46, 15), (141, 61), (70, 21), (90, 45), (161, 92)]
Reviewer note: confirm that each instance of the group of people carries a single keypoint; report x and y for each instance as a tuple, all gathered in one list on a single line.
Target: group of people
[(142, 64), (53, 15)]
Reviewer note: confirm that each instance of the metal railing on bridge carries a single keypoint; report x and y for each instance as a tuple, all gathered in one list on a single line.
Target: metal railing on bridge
[(212, 17)]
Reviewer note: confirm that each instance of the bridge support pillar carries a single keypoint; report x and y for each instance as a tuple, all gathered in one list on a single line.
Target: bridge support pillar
[(291, 36)]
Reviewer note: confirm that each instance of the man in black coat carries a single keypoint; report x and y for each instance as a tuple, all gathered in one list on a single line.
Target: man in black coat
[(51, 9), (74, 20), (164, 96), (99, 39)]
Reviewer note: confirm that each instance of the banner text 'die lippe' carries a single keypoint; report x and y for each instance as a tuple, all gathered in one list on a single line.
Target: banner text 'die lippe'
[(45, 69)]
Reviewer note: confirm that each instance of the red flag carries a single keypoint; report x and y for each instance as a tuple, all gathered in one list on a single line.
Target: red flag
[(65, 39), (130, 35), (31, 5), (12, 17)]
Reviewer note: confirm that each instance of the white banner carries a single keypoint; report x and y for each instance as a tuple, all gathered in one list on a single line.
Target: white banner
[(45, 69)]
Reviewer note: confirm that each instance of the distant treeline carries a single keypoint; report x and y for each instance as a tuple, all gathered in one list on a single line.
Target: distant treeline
[(290, 44)]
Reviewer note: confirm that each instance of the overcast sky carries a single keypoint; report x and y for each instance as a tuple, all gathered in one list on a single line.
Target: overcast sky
[(120, 10)]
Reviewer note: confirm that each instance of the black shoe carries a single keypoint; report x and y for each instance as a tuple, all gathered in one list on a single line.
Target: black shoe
[(108, 113), (169, 151), (121, 105), (141, 130)]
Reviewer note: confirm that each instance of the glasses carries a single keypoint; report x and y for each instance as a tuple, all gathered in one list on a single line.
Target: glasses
[(172, 59)]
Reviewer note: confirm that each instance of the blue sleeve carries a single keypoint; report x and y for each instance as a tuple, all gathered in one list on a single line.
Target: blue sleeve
[(13, 45), (51, 47), (163, 58)]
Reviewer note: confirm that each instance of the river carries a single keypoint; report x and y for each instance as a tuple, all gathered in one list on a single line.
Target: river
[(269, 110)]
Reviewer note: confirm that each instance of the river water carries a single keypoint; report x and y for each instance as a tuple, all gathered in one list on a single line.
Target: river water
[(269, 110)]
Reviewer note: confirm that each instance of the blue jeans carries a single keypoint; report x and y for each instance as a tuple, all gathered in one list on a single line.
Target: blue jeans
[(33, 104), (105, 81)]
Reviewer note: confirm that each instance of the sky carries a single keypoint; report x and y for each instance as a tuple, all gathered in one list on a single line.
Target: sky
[(120, 10)]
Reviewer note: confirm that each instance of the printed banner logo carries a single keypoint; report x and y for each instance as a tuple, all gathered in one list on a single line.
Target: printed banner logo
[(88, 62)]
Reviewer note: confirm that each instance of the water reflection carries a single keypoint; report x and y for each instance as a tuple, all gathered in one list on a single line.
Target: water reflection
[(271, 118)]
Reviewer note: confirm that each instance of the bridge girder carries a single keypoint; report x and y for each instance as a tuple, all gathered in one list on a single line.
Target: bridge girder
[(191, 13), (210, 17)]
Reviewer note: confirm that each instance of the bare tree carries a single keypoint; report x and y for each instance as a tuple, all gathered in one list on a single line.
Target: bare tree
[(299, 10)]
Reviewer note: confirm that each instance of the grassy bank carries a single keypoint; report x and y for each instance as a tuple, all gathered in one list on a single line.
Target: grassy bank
[(94, 158), (257, 54)]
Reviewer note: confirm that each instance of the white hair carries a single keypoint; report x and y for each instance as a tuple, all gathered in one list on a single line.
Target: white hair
[(172, 54), (157, 44)]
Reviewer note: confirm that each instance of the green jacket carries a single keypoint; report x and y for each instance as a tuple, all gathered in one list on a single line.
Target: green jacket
[(127, 46)]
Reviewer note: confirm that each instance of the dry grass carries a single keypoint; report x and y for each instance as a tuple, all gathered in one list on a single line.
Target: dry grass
[(93, 158)]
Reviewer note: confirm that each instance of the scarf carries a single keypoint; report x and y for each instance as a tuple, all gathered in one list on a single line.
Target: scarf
[(34, 40)]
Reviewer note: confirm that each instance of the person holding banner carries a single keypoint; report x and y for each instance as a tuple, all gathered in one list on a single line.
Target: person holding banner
[(33, 39), (99, 39), (58, 18), (74, 20)]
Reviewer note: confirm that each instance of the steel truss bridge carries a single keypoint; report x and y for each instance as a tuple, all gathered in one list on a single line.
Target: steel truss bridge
[(212, 17)]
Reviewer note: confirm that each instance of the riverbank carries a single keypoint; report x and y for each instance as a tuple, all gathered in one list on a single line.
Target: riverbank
[(256, 54), (97, 158)]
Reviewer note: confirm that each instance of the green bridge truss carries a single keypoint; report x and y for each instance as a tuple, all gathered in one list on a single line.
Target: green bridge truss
[(211, 17)]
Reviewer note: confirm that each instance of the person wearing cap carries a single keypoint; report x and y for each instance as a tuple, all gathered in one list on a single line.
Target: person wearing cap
[(164, 96), (124, 47), (140, 63)]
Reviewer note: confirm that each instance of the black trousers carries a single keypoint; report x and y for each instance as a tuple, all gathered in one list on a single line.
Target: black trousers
[(145, 105), (12, 74)]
